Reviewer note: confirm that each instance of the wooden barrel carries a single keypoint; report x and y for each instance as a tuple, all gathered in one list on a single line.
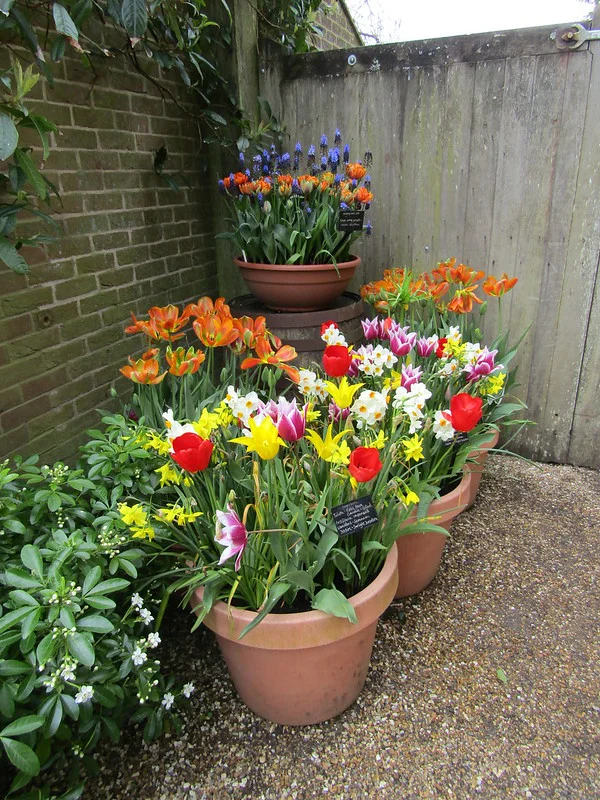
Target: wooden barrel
[(302, 329)]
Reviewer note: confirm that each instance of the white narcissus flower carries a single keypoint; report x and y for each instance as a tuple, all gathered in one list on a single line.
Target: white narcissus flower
[(174, 428), (84, 694), (454, 334), (244, 406), (168, 700), (442, 427), (370, 407), (188, 688), (307, 380), (333, 335)]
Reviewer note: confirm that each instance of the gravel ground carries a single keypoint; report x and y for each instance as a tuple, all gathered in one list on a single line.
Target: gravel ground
[(518, 591)]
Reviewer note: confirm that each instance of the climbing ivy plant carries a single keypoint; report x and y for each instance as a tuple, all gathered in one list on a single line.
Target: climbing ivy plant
[(189, 37)]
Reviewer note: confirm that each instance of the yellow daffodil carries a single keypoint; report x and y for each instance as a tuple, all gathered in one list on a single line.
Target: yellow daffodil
[(330, 449), (411, 498), (312, 414), (225, 415), (209, 421), (145, 532), (413, 448), (394, 381), (379, 441), (154, 442), (168, 475), (494, 384), (263, 440), (343, 395), (454, 348), (177, 514), (134, 516)]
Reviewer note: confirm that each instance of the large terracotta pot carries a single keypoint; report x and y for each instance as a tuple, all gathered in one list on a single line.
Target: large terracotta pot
[(476, 464), (419, 554), (302, 668), (297, 287)]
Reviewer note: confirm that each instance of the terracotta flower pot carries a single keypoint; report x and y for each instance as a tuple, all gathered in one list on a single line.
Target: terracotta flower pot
[(299, 669), (297, 287), (419, 554), (476, 465)]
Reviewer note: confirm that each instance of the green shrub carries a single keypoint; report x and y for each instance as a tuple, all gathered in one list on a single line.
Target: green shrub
[(77, 640)]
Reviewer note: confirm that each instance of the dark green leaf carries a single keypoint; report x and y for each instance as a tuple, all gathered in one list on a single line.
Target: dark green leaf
[(95, 623), (32, 558), (111, 585), (80, 648), (22, 756), (64, 23), (9, 137), (11, 257), (13, 617), (135, 17), (23, 725), (11, 667)]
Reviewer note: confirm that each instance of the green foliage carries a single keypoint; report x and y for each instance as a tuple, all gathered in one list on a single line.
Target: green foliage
[(20, 175), (292, 25), (76, 649)]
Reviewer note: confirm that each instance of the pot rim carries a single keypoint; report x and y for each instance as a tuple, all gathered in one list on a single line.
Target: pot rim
[(354, 262), (299, 630)]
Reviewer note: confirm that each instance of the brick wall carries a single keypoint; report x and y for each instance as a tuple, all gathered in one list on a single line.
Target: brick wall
[(129, 242), (339, 30)]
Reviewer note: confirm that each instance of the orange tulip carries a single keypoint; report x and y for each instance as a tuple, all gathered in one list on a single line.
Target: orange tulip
[(462, 302), (465, 275), (206, 305), (168, 321), (362, 195), (356, 171), (250, 330), (182, 362), (143, 326), (215, 330), (495, 288), (266, 355), (143, 371)]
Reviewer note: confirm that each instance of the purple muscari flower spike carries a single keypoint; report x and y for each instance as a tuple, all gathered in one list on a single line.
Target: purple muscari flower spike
[(273, 152), (369, 229), (221, 186), (247, 173), (484, 365), (284, 161), (427, 346), (298, 148), (410, 375), (354, 183), (296, 166), (323, 141), (241, 158), (367, 181), (261, 199), (338, 137), (311, 154), (334, 157), (265, 169), (346, 153), (401, 343), (256, 164), (372, 328), (308, 211), (265, 156), (337, 179), (296, 187), (344, 206), (323, 162)]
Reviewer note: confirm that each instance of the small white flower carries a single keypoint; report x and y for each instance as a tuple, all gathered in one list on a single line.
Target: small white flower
[(84, 694), (153, 640), (442, 428), (454, 334), (188, 688), (137, 600), (333, 335), (67, 673), (139, 657), (168, 700), (146, 616)]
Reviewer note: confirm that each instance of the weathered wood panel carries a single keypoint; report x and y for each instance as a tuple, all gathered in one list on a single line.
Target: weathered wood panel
[(486, 147)]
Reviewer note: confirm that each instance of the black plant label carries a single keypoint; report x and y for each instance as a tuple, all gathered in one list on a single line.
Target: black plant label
[(351, 221), (354, 516)]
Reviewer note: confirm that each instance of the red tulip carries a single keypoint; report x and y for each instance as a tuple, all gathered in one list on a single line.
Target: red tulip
[(336, 360), (192, 452), (364, 464), (465, 412), (440, 346)]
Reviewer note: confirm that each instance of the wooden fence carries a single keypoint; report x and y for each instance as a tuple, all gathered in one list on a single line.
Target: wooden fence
[(486, 147)]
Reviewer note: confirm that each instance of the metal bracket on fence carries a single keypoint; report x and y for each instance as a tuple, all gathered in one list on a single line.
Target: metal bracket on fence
[(573, 36)]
